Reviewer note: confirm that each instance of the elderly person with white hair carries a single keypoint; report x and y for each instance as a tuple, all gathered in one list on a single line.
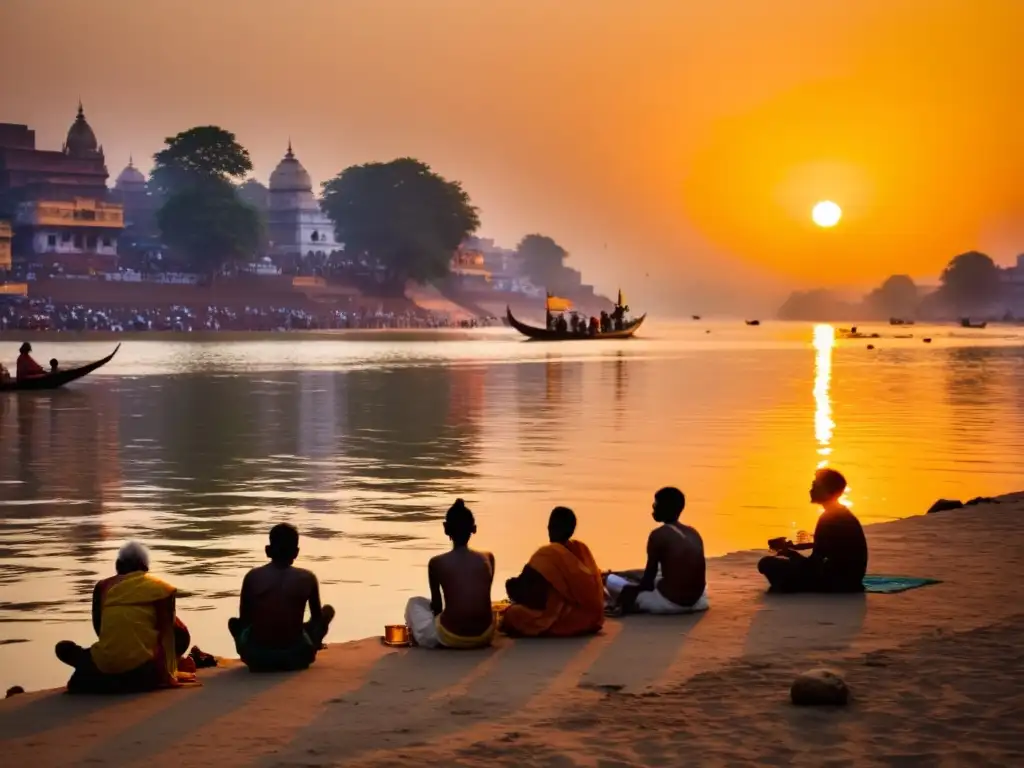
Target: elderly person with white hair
[(140, 638)]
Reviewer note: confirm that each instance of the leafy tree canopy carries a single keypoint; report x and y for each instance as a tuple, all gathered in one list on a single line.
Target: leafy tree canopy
[(403, 216), (210, 226), (896, 297), (970, 281), (202, 216), (543, 260), (203, 154)]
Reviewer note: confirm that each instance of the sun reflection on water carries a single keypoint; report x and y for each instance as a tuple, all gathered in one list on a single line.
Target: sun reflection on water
[(824, 341), (824, 425)]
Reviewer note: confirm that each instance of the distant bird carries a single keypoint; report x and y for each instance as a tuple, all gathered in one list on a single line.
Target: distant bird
[(695, 317)]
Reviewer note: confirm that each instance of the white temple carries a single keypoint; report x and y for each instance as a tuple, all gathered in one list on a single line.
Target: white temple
[(297, 226)]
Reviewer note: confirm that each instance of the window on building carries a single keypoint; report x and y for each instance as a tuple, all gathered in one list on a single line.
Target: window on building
[(51, 241), (315, 236), (107, 242), (78, 242), (90, 243), (65, 237)]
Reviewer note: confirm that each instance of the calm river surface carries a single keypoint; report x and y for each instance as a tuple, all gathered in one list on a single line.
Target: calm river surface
[(197, 448)]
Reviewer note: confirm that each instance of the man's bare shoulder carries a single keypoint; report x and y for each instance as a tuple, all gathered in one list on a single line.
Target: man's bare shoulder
[(656, 536), (269, 570)]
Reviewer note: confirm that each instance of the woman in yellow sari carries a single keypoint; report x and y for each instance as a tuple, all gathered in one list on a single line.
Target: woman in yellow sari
[(140, 639), (560, 592)]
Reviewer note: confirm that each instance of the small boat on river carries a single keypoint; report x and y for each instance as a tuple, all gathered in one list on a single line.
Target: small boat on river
[(965, 322), (57, 379), (544, 334), (554, 304)]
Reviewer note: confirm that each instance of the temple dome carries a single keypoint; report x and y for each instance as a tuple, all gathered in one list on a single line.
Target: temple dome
[(81, 141), (290, 176), (130, 178)]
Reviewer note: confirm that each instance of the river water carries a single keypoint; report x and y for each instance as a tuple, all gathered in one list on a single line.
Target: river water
[(198, 447)]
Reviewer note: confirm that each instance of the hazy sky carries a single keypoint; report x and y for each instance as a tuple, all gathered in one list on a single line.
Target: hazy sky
[(673, 145)]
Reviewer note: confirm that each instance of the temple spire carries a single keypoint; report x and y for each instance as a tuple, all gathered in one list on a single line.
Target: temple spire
[(81, 111), (290, 154)]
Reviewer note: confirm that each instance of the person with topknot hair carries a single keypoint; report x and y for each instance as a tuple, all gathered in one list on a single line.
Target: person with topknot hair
[(458, 613)]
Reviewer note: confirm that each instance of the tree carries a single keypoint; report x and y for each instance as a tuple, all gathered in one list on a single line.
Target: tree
[(210, 226), (201, 154), (202, 216), (896, 297), (403, 216), (543, 260), (970, 281), (256, 195)]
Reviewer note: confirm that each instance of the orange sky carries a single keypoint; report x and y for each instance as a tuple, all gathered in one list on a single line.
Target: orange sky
[(689, 137)]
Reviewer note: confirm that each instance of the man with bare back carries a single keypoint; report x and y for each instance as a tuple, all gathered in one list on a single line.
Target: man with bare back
[(459, 613), (674, 579), (269, 632)]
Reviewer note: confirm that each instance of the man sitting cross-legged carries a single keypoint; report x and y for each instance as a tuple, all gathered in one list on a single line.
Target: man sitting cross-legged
[(674, 579), (269, 633), (559, 593), (458, 613)]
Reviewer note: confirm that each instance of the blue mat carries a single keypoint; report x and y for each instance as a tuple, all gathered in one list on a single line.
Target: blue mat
[(888, 585)]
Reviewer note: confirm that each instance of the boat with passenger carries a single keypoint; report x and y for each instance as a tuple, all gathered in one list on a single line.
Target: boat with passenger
[(576, 326)]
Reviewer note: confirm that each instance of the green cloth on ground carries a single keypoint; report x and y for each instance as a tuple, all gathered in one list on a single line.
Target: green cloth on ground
[(261, 659), (888, 585)]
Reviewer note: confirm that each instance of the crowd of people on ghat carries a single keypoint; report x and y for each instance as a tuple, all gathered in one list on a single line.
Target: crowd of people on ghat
[(561, 592), (42, 315)]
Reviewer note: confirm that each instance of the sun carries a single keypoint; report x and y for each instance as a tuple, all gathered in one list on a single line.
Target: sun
[(826, 213)]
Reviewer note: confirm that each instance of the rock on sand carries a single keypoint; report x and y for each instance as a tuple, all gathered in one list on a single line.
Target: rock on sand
[(819, 687)]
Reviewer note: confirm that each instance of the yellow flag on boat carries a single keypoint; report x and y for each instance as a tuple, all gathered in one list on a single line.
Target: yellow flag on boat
[(558, 304)]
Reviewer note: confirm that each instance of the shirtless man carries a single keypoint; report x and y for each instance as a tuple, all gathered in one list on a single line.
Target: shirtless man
[(458, 614), (839, 551), (674, 579), (269, 633)]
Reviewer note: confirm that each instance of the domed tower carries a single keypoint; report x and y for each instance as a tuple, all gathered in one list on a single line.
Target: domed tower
[(290, 185), (296, 225), (81, 141), (130, 180)]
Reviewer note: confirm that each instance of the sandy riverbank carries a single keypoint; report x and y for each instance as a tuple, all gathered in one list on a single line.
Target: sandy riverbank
[(936, 674)]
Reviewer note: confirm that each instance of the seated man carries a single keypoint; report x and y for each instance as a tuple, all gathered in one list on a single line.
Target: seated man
[(140, 639), (54, 365), (27, 367), (674, 579), (839, 557), (269, 633), (458, 614), (559, 593)]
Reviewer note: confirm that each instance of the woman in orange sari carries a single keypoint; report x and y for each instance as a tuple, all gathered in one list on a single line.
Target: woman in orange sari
[(140, 638), (560, 592)]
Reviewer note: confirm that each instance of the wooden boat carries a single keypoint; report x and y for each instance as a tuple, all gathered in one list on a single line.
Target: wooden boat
[(543, 334), (752, 322), (58, 379), (695, 317), (965, 322), (900, 321)]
